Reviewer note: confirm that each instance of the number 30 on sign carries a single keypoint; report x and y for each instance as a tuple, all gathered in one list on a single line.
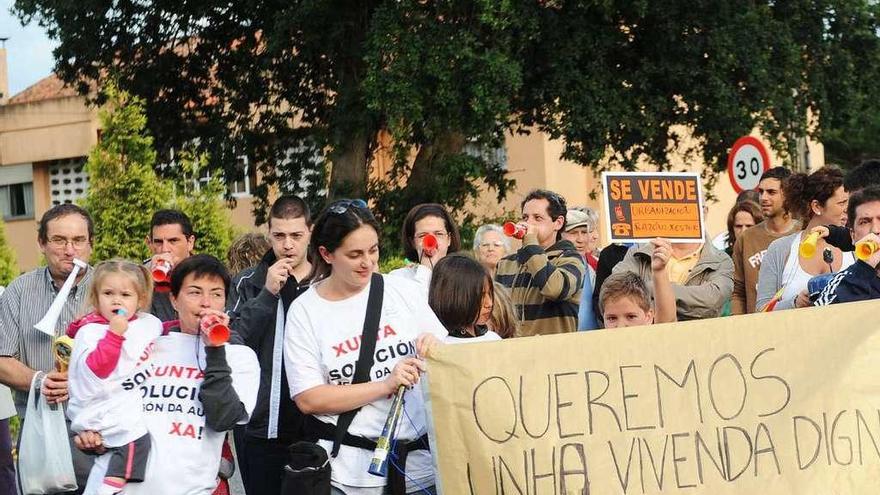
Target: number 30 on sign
[(746, 163)]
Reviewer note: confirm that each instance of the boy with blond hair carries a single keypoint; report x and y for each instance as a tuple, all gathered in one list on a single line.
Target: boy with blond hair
[(625, 300)]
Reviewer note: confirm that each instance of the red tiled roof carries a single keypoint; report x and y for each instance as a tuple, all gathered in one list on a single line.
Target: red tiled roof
[(48, 88)]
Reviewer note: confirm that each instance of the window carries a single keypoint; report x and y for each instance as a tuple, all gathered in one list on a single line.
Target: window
[(237, 188), (247, 183), (17, 201), (492, 155), (17, 191), (68, 181)]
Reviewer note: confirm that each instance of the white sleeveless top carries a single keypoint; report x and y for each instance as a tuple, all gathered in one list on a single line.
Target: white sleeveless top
[(796, 277)]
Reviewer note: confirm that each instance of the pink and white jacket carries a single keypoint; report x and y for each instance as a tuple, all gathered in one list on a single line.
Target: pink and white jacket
[(103, 372)]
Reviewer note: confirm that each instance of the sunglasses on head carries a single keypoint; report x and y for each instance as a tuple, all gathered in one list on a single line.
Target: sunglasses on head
[(341, 206)]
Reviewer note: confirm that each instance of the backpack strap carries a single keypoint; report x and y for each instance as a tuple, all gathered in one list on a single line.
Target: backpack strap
[(365, 357)]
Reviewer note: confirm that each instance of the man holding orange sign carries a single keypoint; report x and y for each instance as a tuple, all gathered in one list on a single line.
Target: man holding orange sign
[(861, 281)]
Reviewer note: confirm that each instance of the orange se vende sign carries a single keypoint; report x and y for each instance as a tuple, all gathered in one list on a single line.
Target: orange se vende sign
[(640, 206)]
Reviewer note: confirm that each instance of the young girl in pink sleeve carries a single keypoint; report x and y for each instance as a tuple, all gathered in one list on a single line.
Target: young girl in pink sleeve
[(111, 352)]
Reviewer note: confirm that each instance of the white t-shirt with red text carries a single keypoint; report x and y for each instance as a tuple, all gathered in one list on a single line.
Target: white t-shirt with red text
[(321, 346), (185, 453)]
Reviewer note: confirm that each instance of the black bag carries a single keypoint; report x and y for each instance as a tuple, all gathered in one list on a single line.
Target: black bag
[(308, 472)]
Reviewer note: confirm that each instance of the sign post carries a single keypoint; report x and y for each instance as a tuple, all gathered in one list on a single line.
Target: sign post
[(746, 163)]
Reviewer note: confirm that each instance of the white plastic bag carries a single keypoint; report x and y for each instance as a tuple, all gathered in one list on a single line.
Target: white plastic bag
[(45, 464)]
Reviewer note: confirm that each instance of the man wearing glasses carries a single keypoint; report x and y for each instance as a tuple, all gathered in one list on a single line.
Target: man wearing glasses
[(546, 274), (258, 303), (65, 233)]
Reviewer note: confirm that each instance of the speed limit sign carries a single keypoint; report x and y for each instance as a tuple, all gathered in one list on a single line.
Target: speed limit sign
[(746, 163)]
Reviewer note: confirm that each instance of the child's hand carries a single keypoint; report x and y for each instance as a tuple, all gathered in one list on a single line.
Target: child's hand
[(661, 254), (90, 441), (119, 323)]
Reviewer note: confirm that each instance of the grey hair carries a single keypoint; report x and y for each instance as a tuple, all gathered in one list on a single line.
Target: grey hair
[(491, 227)]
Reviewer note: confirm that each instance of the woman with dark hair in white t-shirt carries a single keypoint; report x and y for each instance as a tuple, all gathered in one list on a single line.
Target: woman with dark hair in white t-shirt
[(322, 343), (429, 233)]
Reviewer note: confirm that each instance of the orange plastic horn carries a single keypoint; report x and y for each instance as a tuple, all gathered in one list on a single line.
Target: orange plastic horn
[(808, 246), (161, 271), (514, 230), (866, 249), (429, 245), (214, 332)]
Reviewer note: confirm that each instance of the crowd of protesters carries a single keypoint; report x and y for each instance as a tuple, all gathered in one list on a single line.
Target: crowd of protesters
[(304, 304)]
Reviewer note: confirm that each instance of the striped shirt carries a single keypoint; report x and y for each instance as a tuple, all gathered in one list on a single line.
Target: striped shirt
[(545, 286), (22, 305)]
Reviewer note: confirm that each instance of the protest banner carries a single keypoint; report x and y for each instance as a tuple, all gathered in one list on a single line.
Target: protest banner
[(640, 206), (772, 403)]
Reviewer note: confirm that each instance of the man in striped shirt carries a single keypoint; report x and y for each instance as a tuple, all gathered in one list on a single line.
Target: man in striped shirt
[(546, 274), (65, 233)]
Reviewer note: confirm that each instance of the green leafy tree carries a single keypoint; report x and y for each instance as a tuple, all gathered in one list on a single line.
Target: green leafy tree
[(444, 77), (283, 82), (8, 266), (620, 81), (124, 190), (204, 205), (850, 115), (852, 142)]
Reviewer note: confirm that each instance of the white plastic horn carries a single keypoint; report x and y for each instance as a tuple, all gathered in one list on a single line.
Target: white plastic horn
[(47, 324)]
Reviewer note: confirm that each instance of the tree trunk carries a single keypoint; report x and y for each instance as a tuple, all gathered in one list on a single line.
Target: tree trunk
[(426, 168), (353, 127), (349, 162)]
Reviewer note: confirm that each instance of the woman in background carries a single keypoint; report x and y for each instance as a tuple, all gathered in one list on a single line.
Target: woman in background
[(490, 245), (817, 199), (246, 251), (422, 221), (503, 321), (743, 215)]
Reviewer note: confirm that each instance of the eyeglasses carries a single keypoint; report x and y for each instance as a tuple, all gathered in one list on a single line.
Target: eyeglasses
[(62, 242), (440, 234), (341, 206)]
